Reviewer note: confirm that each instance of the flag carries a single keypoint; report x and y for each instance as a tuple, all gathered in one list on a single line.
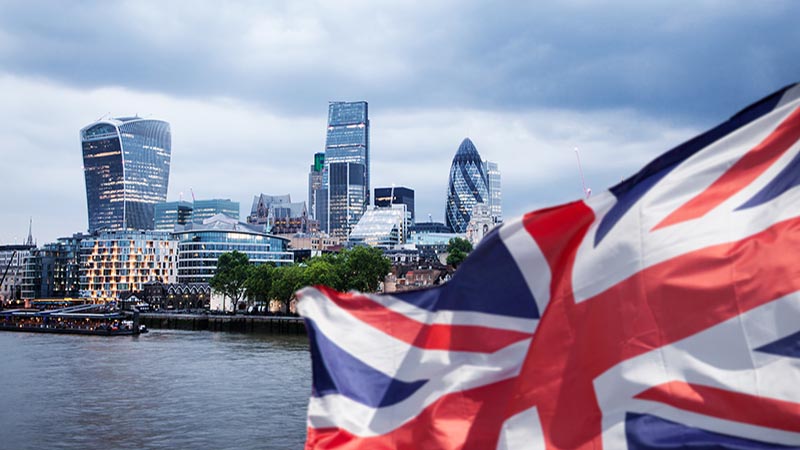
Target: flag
[(663, 313)]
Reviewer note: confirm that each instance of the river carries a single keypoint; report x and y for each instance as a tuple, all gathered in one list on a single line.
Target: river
[(162, 390)]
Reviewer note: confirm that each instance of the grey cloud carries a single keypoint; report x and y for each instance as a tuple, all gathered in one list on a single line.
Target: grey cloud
[(682, 59)]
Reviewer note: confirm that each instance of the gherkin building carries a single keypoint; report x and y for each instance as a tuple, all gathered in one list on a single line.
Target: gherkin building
[(467, 186)]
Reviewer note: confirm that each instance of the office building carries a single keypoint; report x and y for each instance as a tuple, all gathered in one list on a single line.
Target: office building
[(12, 271), (53, 271), (126, 166), (381, 227), (495, 191), (315, 185), (200, 245), (280, 215), (205, 209), (169, 214), (429, 227), (387, 196), (346, 177), (113, 262), (466, 187)]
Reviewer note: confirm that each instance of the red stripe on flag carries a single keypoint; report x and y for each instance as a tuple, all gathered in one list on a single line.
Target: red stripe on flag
[(662, 304), (465, 420), (464, 338), (728, 405), (742, 173)]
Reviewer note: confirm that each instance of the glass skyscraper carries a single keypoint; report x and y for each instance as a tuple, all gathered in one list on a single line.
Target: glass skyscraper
[(468, 186), (345, 178), (126, 166), (495, 191), (315, 185)]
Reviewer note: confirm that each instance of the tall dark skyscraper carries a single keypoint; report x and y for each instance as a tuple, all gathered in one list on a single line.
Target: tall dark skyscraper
[(345, 179), (468, 186), (126, 166)]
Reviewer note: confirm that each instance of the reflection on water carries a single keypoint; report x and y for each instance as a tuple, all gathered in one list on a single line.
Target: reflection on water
[(162, 390)]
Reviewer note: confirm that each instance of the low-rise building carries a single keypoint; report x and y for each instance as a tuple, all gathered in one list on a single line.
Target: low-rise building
[(200, 246), (381, 227)]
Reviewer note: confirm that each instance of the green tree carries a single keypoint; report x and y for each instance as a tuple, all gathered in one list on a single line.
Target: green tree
[(259, 283), (458, 249), (286, 280), (363, 268), (323, 271), (233, 270)]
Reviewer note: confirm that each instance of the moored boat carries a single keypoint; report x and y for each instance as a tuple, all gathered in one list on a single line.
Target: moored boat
[(101, 320)]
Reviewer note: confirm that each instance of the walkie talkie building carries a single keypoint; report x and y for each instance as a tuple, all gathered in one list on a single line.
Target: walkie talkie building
[(467, 186), (126, 166)]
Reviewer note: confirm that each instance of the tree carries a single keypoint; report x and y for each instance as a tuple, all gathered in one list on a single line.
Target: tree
[(233, 270), (286, 281), (458, 249), (363, 268), (323, 271), (259, 283)]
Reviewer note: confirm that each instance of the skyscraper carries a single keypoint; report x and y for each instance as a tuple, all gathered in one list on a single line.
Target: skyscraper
[(467, 187), (495, 191), (315, 184), (345, 179), (126, 166)]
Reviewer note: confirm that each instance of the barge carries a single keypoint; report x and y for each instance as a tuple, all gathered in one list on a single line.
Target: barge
[(95, 319)]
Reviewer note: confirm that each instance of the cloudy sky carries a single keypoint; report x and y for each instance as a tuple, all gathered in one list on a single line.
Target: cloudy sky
[(245, 87)]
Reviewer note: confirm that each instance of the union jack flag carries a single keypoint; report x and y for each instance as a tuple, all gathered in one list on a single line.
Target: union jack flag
[(663, 313)]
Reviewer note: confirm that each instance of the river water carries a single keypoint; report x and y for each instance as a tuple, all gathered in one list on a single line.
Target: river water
[(162, 390)]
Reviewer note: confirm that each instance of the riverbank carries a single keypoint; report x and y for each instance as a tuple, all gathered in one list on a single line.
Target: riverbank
[(225, 323)]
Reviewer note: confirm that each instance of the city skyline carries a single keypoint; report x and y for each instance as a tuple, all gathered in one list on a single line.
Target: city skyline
[(244, 88)]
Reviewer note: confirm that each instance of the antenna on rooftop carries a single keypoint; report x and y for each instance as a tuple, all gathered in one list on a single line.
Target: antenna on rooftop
[(190, 190), (102, 117), (586, 191)]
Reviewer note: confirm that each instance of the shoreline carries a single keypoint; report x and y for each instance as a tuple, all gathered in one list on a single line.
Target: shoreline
[(224, 323)]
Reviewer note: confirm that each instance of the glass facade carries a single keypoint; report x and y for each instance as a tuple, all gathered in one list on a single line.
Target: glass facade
[(495, 190), (345, 178), (205, 209), (467, 186), (199, 248), (169, 214), (126, 166), (381, 227), (315, 184), (387, 196), (53, 271)]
